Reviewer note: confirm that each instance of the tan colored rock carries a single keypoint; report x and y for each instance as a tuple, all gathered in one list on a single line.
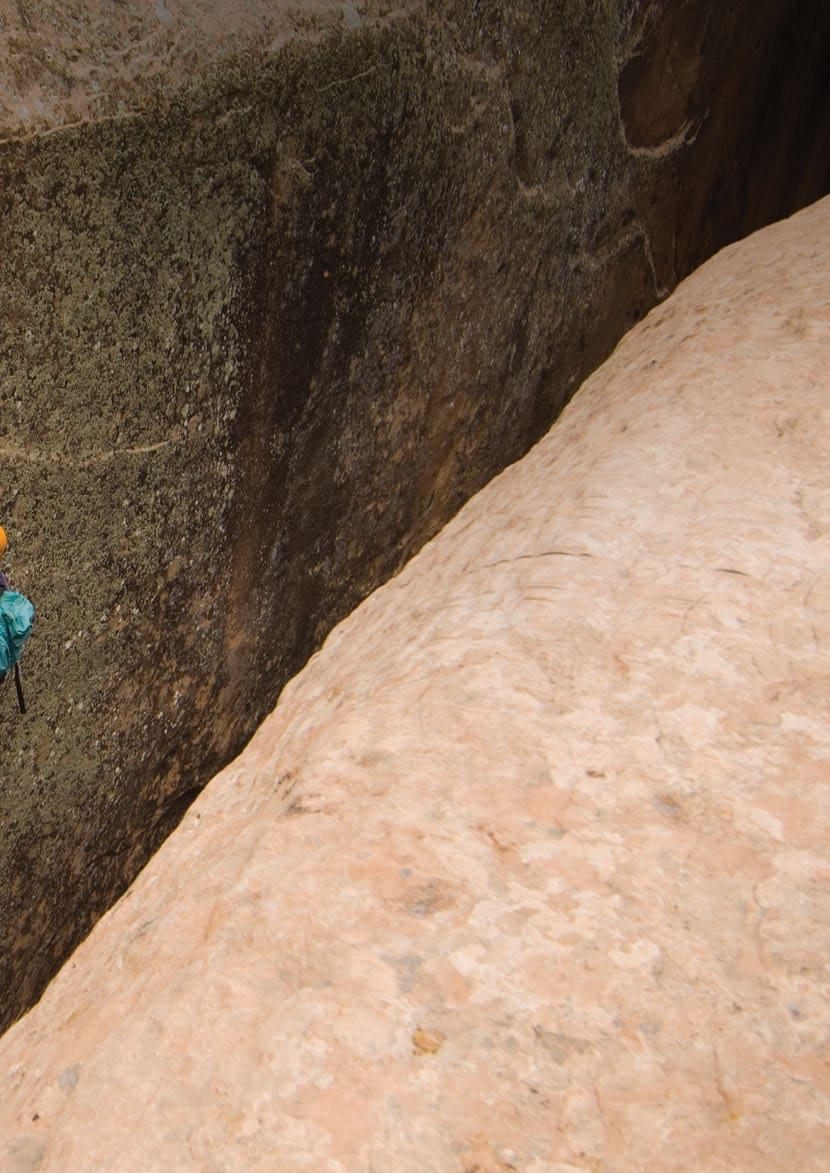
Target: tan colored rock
[(529, 868), (62, 63)]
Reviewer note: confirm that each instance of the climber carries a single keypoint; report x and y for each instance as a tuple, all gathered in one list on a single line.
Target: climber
[(4, 545), (16, 616)]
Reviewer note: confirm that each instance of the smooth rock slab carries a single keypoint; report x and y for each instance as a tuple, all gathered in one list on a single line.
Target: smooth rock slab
[(529, 868)]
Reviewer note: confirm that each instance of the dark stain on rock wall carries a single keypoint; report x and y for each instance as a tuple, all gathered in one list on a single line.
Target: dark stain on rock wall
[(259, 344)]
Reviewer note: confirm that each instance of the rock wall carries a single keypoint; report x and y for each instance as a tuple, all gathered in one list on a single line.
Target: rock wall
[(268, 323), (528, 868)]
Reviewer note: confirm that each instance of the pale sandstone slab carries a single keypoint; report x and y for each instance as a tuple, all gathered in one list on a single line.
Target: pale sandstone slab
[(529, 868)]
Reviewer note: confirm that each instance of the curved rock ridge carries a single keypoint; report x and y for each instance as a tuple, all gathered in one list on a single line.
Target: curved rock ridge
[(528, 869)]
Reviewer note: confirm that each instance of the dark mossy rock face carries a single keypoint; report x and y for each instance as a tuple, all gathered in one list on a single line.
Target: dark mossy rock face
[(258, 344)]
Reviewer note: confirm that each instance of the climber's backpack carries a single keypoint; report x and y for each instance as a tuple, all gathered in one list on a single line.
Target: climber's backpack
[(16, 617)]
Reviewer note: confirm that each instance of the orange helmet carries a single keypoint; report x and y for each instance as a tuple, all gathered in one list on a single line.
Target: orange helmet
[(4, 541)]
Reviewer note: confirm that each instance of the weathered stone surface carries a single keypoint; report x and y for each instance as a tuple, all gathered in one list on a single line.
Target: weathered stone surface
[(262, 333), (66, 63), (528, 869)]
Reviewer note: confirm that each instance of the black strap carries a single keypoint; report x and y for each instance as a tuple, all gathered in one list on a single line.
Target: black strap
[(21, 702)]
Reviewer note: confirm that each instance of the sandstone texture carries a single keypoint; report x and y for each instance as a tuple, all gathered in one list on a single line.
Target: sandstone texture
[(529, 867), (281, 287), (85, 60)]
